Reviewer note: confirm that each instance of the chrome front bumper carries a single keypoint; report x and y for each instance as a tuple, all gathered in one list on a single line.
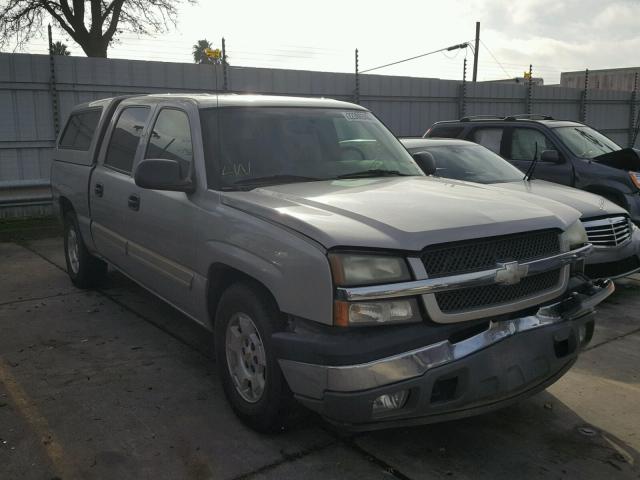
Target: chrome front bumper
[(312, 381)]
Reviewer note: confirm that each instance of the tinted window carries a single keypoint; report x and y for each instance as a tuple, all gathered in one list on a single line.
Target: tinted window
[(249, 146), (80, 129), (171, 139), (488, 137), (125, 138), (527, 144), (444, 131)]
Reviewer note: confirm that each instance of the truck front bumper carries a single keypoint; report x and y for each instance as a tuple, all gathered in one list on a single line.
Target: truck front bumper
[(495, 364)]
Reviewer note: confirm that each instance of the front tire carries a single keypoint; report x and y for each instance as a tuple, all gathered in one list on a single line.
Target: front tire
[(85, 270), (252, 380)]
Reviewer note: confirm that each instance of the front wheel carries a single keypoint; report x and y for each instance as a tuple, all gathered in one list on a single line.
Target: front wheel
[(84, 269), (251, 377)]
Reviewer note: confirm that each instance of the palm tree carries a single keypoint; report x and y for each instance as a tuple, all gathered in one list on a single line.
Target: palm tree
[(60, 48), (198, 51)]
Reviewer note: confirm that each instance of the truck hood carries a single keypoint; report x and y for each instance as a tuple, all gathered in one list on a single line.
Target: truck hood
[(588, 204), (403, 213)]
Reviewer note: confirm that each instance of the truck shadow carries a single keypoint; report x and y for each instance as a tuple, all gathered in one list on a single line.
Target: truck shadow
[(538, 437)]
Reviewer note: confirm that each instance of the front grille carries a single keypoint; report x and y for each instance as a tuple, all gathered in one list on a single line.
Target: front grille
[(490, 295), (612, 269), (608, 232), (473, 255)]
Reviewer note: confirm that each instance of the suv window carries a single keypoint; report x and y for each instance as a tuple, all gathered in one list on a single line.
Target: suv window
[(79, 130), (490, 137), (125, 138), (171, 139), (445, 131), (527, 143)]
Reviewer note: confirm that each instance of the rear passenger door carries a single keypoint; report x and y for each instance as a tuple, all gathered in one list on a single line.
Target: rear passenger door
[(112, 190), (490, 137), (523, 144)]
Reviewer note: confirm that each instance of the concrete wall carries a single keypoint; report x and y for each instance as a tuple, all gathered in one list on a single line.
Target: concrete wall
[(621, 79), (407, 105)]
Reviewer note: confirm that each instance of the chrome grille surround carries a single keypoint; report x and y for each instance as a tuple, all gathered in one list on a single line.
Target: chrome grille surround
[(609, 231)]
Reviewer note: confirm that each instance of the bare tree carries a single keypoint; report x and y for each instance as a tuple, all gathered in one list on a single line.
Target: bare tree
[(92, 24), (59, 48)]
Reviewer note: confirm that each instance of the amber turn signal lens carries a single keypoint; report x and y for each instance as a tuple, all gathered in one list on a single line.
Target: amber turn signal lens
[(340, 313)]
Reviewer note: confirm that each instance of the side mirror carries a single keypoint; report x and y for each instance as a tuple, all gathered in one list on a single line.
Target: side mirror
[(550, 156), (426, 162), (162, 174)]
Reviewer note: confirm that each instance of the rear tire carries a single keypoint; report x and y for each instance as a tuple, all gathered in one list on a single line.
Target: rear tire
[(252, 380), (85, 270)]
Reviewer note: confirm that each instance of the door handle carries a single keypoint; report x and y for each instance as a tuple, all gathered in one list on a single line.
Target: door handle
[(98, 189), (134, 202)]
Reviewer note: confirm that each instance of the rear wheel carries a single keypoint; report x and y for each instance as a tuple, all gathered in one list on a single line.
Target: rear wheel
[(84, 269), (252, 380)]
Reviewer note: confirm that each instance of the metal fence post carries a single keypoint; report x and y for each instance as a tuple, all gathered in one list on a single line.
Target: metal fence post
[(583, 98), (52, 86), (632, 112), (356, 92), (530, 91), (462, 105), (225, 81)]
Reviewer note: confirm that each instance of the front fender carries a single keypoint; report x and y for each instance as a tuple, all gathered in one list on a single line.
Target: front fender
[(294, 269)]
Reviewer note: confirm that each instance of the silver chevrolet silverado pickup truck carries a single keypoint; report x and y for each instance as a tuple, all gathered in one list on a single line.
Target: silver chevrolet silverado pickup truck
[(330, 269)]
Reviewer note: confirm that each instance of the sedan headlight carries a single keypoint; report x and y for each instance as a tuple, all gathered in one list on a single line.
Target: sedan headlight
[(356, 269), (575, 236), (365, 269)]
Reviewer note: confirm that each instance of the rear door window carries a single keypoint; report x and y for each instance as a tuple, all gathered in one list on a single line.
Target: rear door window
[(79, 131), (125, 138), (528, 143), (489, 137)]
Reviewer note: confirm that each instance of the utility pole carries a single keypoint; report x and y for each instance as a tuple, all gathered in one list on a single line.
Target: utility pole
[(475, 53)]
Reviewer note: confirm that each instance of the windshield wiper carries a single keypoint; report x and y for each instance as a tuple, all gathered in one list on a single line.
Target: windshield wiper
[(273, 179), (375, 172)]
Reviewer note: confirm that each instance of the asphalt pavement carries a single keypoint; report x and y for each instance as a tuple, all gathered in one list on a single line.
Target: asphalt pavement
[(115, 384)]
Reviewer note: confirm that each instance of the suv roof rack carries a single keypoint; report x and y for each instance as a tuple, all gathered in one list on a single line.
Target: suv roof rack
[(481, 117), (528, 116)]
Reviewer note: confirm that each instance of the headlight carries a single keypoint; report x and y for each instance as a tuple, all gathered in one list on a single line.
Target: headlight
[(355, 269), (575, 236), (350, 270)]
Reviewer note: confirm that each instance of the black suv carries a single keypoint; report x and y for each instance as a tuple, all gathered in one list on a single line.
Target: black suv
[(560, 151)]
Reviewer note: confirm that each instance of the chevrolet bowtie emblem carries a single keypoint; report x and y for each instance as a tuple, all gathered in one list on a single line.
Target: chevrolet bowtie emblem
[(511, 273)]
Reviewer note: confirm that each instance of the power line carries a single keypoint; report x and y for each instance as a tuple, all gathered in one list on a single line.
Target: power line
[(494, 58), (453, 47)]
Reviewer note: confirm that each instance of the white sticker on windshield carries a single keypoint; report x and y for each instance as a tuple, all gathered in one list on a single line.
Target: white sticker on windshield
[(358, 116)]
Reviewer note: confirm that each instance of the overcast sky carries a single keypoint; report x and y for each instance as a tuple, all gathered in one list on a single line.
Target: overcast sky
[(553, 35)]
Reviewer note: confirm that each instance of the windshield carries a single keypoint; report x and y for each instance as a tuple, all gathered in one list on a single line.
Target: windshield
[(585, 142), (472, 163), (250, 146)]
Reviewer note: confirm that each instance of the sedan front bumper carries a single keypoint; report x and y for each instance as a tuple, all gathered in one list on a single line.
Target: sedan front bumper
[(614, 262), (502, 362)]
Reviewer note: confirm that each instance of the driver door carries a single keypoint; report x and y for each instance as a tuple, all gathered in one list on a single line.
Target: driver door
[(523, 144)]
